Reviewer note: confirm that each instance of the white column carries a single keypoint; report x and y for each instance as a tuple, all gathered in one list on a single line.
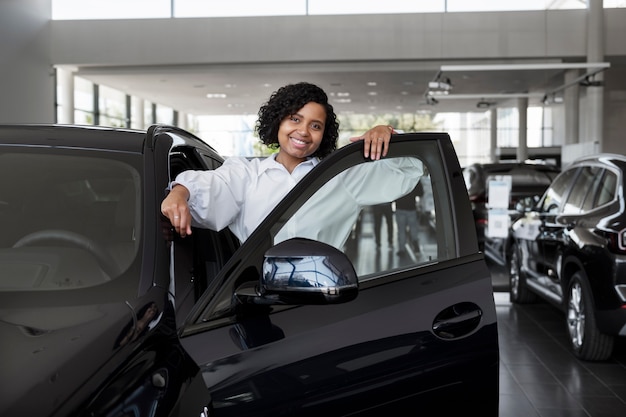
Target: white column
[(522, 147), (65, 79), (595, 53), (493, 134), (571, 102)]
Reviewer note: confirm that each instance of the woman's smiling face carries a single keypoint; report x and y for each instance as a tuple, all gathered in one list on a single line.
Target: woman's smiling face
[(300, 134)]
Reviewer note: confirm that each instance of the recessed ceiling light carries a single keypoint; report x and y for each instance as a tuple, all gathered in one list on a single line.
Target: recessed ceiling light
[(372, 93), (372, 84), (343, 94), (216, 95)]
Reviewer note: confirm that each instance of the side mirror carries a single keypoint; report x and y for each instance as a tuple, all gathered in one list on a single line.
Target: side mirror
[(304, 271)]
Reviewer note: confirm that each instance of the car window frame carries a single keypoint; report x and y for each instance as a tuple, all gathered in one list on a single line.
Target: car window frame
[(215, 306)]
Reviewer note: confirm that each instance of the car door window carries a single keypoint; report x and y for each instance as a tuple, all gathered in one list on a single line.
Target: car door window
[(555, 194), (606, 189), (341, 213), (582, 187)]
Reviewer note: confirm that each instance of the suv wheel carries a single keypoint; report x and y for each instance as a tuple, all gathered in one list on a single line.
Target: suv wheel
[(518, 291), (587, 341)]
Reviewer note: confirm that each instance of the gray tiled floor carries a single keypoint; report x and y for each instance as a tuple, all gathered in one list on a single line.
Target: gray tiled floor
[(539, 377)]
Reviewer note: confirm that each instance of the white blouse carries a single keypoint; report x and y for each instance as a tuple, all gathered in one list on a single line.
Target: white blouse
[(240, 193)]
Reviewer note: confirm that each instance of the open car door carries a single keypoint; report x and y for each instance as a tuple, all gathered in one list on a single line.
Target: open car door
[(309, 318)]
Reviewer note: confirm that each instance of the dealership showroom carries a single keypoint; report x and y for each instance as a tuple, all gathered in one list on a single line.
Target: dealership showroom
[(531, 95)]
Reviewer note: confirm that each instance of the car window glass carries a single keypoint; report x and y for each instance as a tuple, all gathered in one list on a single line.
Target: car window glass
[(74, 220), (342, 214), (554, 195), (582, 186), (606, 189)]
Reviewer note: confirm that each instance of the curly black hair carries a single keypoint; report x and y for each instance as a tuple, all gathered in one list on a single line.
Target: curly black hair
[(288, 100)]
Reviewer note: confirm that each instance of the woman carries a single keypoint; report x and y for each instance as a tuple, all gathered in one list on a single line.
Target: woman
[(301, 123)]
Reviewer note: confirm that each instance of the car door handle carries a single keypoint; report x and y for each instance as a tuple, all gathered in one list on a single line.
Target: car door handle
[(457, 320)]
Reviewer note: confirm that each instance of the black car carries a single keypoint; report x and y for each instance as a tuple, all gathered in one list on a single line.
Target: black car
[(105, 312), (571, 250), (526, 182)]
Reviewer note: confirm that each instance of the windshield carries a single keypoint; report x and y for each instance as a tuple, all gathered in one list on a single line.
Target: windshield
[(69, 219)]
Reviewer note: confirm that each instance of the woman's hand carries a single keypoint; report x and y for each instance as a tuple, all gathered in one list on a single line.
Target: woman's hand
[(376, 141), (176, 209)]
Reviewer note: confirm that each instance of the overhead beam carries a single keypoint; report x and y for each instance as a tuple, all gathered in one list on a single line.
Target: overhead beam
[(525, 67), (484, 96)]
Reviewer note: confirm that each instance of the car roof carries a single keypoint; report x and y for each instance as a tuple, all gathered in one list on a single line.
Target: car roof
[(528, 177), (80, 136), (505, 166), (599, 157)]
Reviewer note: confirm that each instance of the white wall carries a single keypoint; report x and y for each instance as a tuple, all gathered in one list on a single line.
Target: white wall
[(26, 79)]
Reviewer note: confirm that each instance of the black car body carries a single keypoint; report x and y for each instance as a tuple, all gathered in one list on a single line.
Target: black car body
[(528, 180), (105, 313), (571, 250)]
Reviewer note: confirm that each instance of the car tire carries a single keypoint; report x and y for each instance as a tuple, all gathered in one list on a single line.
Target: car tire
[(518, 290), (586, 340)]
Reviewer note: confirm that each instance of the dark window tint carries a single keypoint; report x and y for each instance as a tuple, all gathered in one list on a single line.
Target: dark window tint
[(606, 189), (553, 198), (582, 187), (68, 219)]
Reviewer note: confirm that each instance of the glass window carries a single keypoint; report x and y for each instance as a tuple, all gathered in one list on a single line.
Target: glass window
[(553, 198), (72, 218), (146, 9), (327, 7), (83, 101), (149, 114), (164, 115), (606, 189), (112, 107), (499, 5), (204, 8), (584, 183), (110, 9), (348, 220)]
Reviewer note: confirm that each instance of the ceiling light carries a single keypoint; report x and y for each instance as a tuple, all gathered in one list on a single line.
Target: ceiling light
[(216, 95)]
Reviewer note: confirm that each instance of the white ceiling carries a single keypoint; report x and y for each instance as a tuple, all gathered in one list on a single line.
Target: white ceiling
[(398, 87)]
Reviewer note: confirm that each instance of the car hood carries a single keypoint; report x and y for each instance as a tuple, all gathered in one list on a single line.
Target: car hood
[(48, 352)]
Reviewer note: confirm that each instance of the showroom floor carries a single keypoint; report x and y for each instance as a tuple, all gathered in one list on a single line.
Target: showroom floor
[(539, 377)]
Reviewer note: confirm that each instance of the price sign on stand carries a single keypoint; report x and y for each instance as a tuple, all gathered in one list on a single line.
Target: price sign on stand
[(498, 215)]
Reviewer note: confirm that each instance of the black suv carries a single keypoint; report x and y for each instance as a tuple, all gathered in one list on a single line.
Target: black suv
[(527, 182), (571, 250), (104, 312)]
